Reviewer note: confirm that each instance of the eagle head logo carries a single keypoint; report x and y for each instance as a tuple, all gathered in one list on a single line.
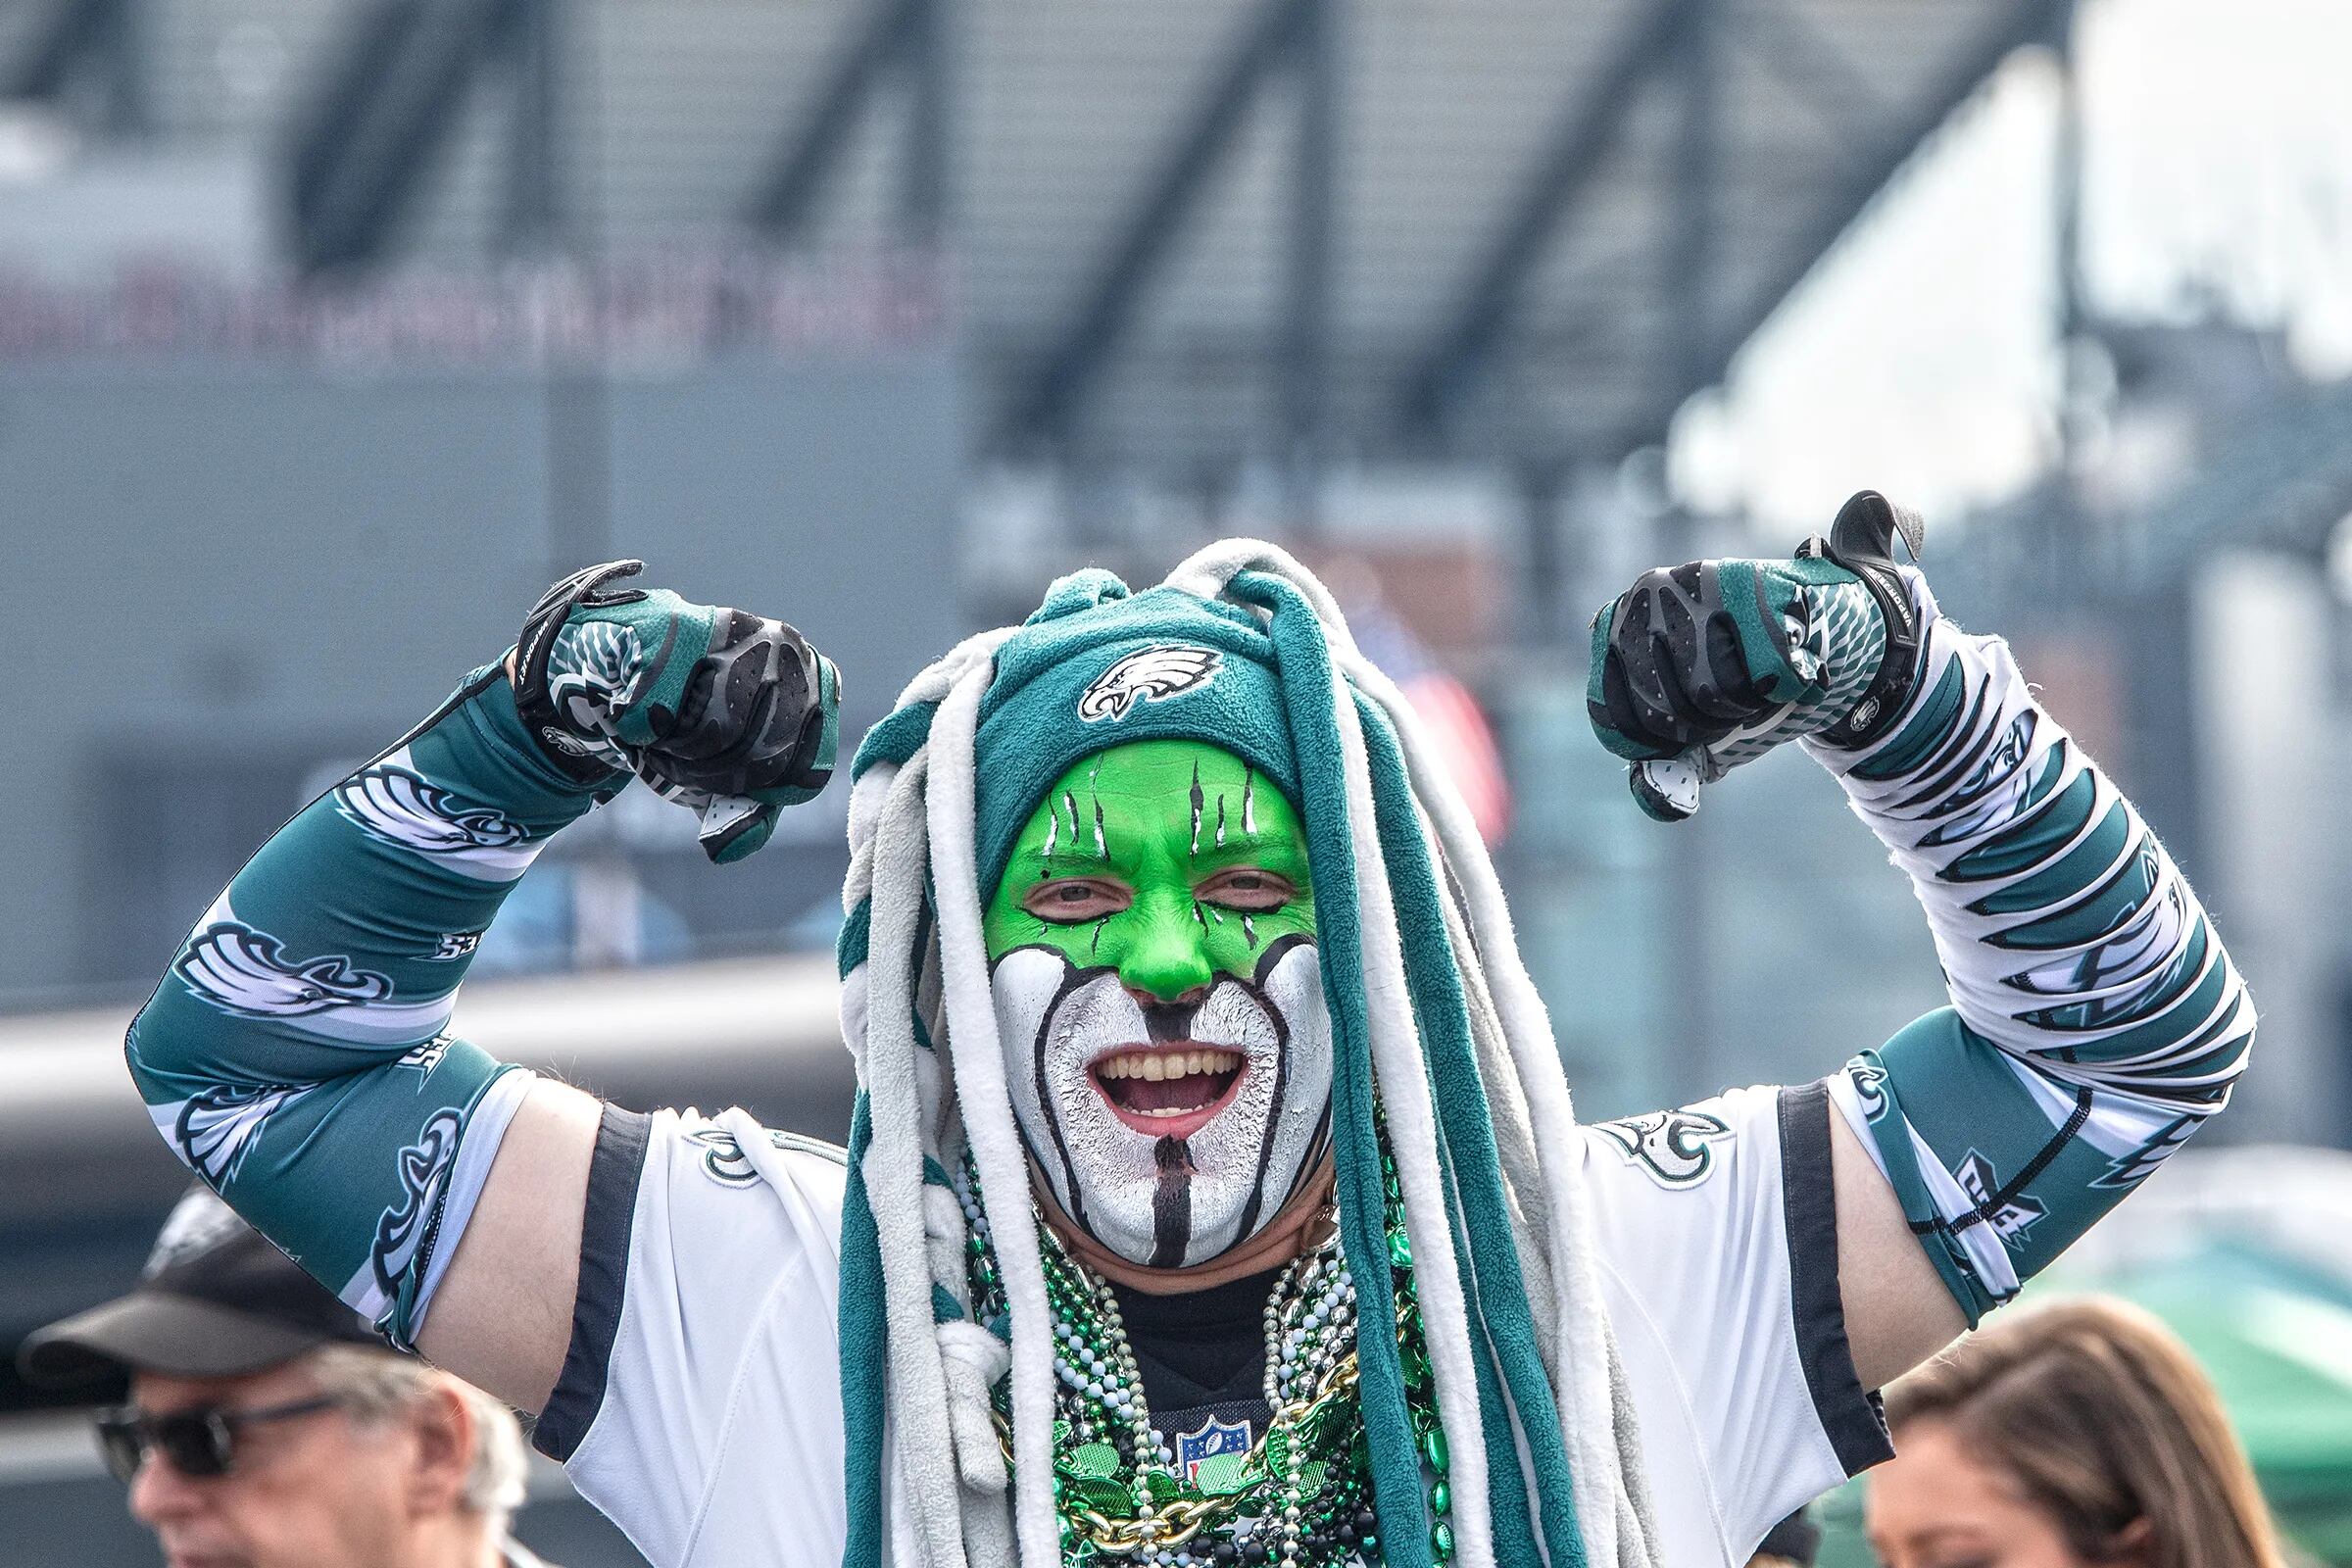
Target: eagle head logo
[(246, 971), (1148, 675)]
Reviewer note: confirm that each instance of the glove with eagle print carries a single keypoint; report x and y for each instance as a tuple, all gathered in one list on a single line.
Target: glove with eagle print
[(2095, 1022), (731, 716), (1701, 667), (298, 1053)]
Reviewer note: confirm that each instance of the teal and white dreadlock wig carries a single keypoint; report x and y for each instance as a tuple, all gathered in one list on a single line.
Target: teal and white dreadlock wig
[(1364, 1011)]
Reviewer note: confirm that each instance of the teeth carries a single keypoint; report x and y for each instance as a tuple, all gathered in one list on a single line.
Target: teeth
[(1157, 1067)]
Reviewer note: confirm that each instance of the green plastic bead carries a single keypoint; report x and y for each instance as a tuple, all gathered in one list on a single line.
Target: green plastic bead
[(1105, 1498), (1441, 1499), (1441, 1541), (1433, 1448), (1093, 1461), (1400, 1251), (1221, 1475)]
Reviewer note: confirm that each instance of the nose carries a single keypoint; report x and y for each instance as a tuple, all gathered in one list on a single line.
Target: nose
[(160, 1494), (1188, 998), (1169, 961)]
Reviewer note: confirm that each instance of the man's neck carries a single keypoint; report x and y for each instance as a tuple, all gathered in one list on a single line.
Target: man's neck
[(457, 1541), (1302, 1224), (1199, 1348)]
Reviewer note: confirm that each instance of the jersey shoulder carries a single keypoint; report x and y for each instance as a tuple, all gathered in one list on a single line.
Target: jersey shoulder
[(709, 1286), (1716, 1226)]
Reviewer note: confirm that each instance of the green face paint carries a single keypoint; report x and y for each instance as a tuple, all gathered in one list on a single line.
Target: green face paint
[(1159, 999), (1178, 826)]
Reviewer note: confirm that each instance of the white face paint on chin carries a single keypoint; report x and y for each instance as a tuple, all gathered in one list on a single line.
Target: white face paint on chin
[(1170, 1189)]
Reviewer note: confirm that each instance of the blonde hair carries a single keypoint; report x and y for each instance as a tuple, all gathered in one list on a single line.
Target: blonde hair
[(378, 1386), (2103, 1419)]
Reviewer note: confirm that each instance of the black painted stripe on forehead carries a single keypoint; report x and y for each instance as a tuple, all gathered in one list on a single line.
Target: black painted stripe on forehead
[(1197, 804)]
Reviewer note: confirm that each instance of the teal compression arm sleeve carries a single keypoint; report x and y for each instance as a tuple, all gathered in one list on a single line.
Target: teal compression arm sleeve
[(2095, 1020), (294, 1056)]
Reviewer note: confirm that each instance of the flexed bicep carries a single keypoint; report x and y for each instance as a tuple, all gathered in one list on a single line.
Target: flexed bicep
[(299, 1055)]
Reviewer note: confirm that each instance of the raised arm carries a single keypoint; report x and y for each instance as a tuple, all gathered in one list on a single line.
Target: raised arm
[(2095, 1020), (296, 1055)]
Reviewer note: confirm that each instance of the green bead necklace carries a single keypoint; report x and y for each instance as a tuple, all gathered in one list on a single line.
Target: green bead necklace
[(1300, 1498)]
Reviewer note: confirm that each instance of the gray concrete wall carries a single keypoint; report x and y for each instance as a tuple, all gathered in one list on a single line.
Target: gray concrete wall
[(222, 576)]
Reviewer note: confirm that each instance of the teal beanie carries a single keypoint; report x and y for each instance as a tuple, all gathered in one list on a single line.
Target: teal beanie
[(1097, 667)]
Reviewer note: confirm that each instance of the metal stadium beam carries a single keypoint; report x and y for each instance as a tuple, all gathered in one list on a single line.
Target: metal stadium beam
[(2283, 481), (1587, 132), (896, 35), (79, 35), (2015, 25), (1044, 405), (535, 215), (1306, 330), (364, 143)]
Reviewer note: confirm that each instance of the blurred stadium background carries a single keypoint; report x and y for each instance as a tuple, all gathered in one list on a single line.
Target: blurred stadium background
[(331, 330)]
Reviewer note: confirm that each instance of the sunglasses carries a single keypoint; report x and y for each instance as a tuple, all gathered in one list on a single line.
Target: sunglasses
[(199, 1442)]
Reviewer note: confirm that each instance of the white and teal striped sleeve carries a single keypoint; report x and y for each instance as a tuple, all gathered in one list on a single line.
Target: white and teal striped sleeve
[(2095, 1020), (295, 1055)]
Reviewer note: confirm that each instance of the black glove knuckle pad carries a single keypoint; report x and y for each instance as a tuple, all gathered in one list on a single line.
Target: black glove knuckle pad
[(1675, 675), (749, 717)]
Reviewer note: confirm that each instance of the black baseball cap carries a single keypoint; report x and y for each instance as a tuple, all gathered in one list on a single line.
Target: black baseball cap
[(216, 1299), (1796, 1538)]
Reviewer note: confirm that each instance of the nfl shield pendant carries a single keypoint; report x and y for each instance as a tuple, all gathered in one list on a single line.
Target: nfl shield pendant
[(1211, 1438)]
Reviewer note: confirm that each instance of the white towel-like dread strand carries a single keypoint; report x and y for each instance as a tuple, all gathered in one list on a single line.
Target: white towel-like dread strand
[(914, 985), (1612, 1493)]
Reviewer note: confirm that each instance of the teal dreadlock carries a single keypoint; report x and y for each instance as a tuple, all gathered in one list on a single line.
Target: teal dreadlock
[(1436, 1030)]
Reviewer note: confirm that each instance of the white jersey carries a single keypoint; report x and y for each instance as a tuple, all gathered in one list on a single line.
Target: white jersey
[(699, 1404)]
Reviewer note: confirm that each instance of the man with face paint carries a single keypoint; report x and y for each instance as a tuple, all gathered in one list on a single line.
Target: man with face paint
[(1214, 1195), (1152, 951), (1152, 948)]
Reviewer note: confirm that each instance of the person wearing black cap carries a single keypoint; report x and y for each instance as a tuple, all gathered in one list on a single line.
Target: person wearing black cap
[(1793, 1543), (267, 1427)]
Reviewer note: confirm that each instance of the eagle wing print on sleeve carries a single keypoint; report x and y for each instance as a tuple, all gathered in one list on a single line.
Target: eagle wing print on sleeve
[(405, 1228), (215, 1129), (248, 972), (2095, 1019), (297, 1055), (394, 804), (243, 970)]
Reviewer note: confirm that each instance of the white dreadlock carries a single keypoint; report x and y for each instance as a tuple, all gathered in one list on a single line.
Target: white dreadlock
[(916, 820)]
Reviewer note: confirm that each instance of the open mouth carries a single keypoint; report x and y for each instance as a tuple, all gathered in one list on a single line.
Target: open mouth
[(1167, 1091)]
